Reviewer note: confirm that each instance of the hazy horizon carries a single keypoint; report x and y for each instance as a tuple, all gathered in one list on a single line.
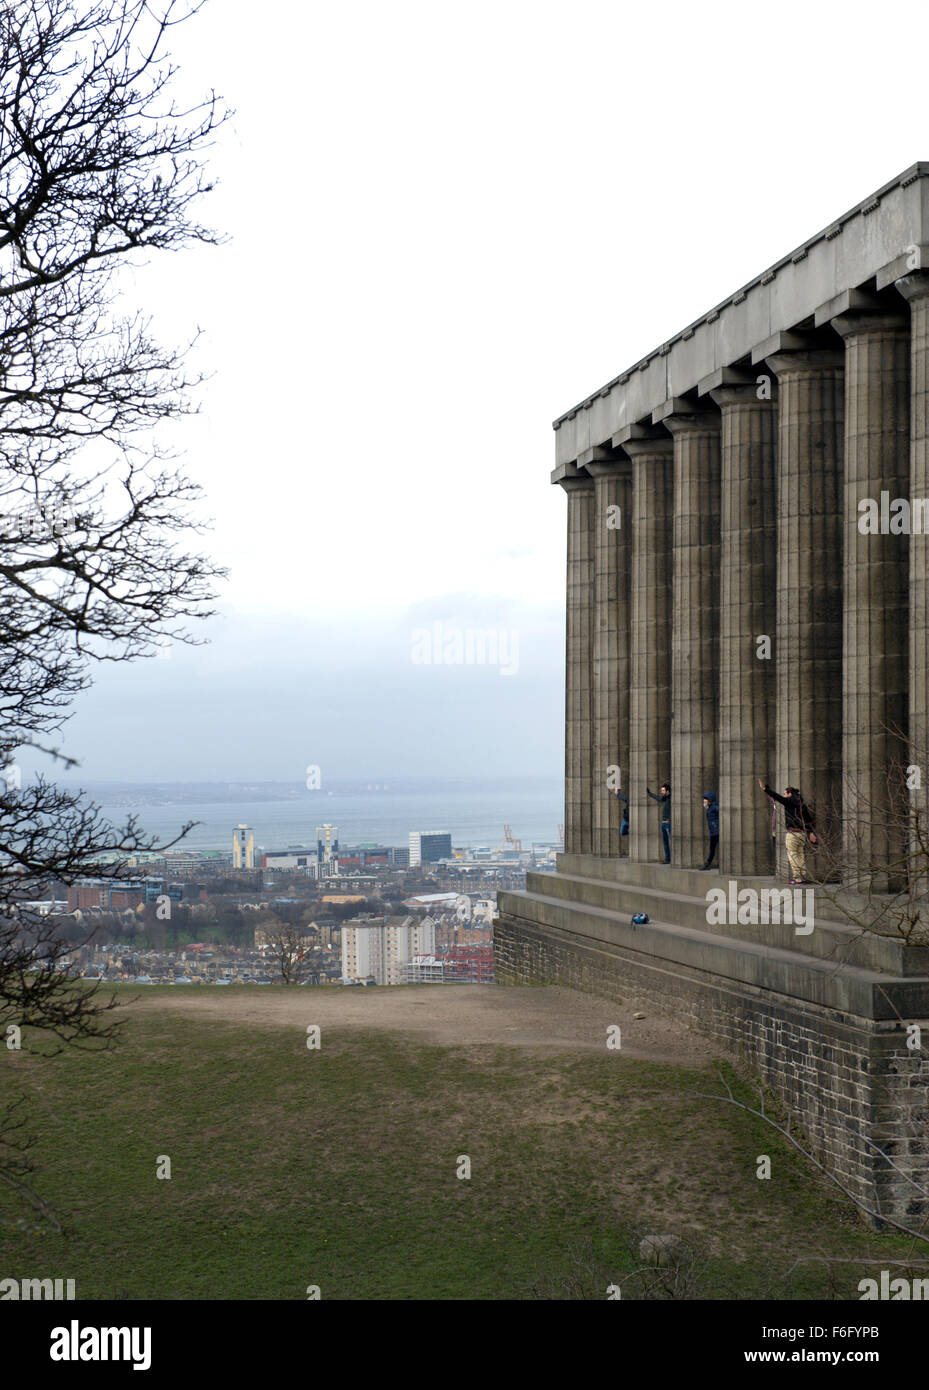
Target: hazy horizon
[(473, 810)]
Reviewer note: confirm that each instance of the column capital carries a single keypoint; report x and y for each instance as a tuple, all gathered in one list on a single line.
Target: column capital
[(855, 325), (743, 392), (726, 376), (784, 342), (636, 441), (859, 311), (682, 416), (609, 468), (848, 302), (567, 473), (809, 362), (914, 286), (914, 257), (600, 453), (581, 483), (604, 462), (658, 445)]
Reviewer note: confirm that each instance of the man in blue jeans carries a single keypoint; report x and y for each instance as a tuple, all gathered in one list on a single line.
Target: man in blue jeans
[(711, 807), (664, 798)]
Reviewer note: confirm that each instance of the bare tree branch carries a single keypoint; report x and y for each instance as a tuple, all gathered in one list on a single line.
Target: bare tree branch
[(99, 165)]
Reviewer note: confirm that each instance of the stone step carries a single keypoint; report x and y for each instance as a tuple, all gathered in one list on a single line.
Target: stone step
[(850, 989), (826, 941), (680, 896), (665, 876)]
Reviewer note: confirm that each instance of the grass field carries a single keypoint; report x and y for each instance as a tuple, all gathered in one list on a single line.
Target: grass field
[(338, 1168)]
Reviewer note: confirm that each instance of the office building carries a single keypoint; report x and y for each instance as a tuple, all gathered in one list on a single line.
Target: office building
[(429, 846)]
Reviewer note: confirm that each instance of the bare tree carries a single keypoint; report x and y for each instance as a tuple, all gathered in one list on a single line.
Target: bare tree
[(875, 868), (291, 949), (98, 165)]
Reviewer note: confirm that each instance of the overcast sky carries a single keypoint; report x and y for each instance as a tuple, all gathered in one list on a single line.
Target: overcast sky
[(448, 224)]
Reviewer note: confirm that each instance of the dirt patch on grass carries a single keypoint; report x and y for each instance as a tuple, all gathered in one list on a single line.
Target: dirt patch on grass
[(468, 1015)]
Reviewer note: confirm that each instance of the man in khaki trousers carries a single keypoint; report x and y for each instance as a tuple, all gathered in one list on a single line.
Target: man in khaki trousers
[(798, 821)]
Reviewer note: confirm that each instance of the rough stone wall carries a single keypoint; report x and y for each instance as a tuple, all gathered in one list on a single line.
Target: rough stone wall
[(847, 1081)]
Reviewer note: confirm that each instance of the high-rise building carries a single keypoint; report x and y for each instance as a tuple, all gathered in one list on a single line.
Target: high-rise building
[(379, 947), (327, 850), (363, 949), (243, 847), (429, 846)]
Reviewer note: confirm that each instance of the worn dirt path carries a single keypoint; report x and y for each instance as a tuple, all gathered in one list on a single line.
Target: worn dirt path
[(514, 1016)]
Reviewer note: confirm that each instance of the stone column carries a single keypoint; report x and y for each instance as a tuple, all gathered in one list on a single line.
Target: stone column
[(808, 637), (875, 649), (915, 288), (613, 491), (650, 639), (578, 820), (695, 628), (747, 622)]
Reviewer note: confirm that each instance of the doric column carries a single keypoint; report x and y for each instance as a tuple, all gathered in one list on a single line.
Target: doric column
[(695, 625), (915, 288), (650, 636), (578, 820), (875, 656), (747, 620), (808, 637), (613, 492)]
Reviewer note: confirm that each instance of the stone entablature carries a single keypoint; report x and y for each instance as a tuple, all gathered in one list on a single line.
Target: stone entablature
[(879, 240)]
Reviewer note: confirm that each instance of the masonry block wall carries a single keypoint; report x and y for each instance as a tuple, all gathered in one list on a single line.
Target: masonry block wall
[(851, 1083)]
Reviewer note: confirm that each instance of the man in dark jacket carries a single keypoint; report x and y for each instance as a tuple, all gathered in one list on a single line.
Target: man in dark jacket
[(798, 823), (624, 827), (665, 800), (711, 807)]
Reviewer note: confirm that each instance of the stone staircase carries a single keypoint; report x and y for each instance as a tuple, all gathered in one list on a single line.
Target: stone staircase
[(836, 965)]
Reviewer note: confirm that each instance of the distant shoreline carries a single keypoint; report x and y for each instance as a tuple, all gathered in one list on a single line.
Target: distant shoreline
[(473, 810)]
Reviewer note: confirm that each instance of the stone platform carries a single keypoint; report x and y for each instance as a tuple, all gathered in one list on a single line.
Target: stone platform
[(820, 1017)]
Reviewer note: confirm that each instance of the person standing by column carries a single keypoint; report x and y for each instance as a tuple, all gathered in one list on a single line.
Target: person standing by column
[(711, 807), (798, 823), (664, 799), (624, 827)]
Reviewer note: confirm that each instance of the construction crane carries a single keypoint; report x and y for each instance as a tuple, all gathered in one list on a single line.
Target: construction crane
[(508, 839)]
